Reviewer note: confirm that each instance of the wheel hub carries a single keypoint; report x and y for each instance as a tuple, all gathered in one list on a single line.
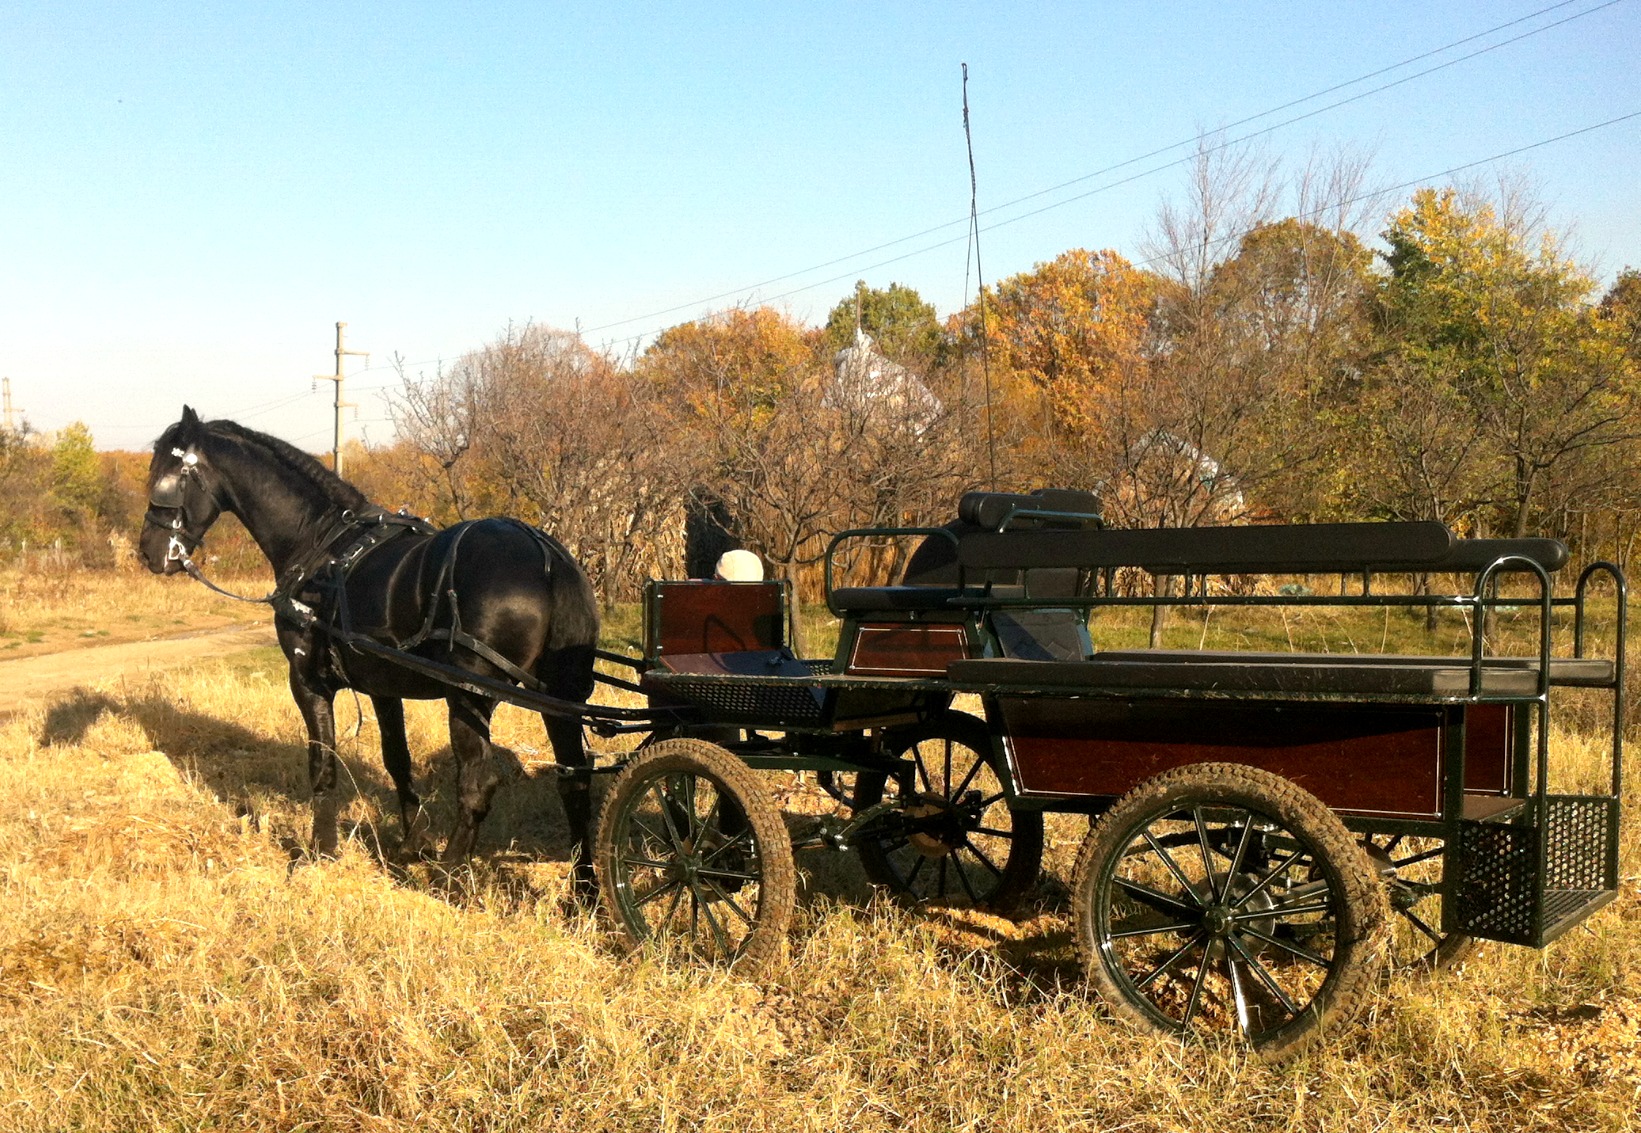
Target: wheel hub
[(1219, 918), (925, 841), (1216, 919)]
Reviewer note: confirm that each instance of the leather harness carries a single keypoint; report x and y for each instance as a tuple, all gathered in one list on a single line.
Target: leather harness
[(322, 575)]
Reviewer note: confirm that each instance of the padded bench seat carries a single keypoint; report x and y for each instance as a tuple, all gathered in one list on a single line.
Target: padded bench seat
[(874, 599), (1574, 672), (1419, 677)]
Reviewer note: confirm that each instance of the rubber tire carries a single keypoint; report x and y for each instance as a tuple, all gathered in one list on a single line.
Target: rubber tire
[(766, 939), (1025, 859), (1362, 914)]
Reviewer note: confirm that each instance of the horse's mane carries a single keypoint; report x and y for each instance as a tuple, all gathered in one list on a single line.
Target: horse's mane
[(335, 489)]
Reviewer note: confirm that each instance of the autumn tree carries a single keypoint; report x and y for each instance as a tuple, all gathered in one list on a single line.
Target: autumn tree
[(25, 478), (734, 364), (539, 426), (1482, 301), (1063, 337), (906, 329)]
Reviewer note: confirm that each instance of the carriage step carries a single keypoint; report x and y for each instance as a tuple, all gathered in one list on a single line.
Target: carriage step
[(1492, 808), (1564, 908), (1526, 879)]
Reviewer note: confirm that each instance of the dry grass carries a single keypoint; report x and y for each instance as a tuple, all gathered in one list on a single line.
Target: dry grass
[(168, 962), (47, 612)]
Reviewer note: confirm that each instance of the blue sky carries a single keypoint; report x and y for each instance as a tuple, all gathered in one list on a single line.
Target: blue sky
[(191, 195)]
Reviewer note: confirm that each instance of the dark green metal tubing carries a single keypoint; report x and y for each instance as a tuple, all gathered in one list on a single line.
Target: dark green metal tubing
[(879, 532), (1374, 600), (1622, 589), (760, 762), (1483, 582), (1454, 726)]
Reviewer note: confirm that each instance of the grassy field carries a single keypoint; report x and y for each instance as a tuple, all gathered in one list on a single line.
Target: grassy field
[(169, 960), (47, 611)]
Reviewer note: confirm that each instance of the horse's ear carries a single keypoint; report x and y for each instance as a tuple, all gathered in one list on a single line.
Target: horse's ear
[(189, 428)]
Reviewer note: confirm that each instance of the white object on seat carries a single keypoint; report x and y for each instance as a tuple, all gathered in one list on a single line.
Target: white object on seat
[(739, 566)]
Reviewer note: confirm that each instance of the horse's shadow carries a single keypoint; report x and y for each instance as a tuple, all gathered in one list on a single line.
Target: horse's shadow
[(264, 779)]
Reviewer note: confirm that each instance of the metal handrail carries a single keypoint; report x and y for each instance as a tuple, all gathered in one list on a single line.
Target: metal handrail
[(880, 532), (1621, 589)]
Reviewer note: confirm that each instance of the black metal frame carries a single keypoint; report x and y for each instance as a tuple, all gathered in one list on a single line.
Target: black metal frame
[(1524, 873)]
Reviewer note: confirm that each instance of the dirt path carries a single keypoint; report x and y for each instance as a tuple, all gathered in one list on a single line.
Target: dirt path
[(30, 678)]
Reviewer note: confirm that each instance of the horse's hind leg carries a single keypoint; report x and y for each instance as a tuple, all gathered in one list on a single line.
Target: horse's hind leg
[(318, 714), (575, 792), (476, 777), (390, 718)]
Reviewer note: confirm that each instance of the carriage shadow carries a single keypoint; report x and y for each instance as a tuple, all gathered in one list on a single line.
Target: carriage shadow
[(524, 850), (265, 780)]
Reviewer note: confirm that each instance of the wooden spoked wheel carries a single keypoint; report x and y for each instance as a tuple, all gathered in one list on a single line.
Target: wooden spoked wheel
[(692, 855), (1223, 897), (954, 839)]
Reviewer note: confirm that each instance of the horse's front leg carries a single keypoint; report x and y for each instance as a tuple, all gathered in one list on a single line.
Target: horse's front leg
[(476, 777), (319, 715), (390, 718)]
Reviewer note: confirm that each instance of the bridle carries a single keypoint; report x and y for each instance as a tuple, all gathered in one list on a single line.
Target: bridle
[(170, 493)]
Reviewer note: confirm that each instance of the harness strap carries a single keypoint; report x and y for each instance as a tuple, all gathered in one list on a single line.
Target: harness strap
[(341, 620)]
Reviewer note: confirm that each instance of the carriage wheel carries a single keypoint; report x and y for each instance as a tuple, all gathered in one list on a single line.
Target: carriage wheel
[(956, 839), (1223, 897), (692, 854), (1411, 868)]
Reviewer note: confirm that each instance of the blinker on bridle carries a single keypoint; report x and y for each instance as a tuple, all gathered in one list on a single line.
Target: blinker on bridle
[(168, 492)]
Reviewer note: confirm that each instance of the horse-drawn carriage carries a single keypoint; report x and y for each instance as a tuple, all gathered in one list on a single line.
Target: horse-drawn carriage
[(1266, 825), (1260, 816)]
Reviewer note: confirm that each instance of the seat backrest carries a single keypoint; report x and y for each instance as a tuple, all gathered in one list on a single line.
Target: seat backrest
[(934, 562), (989, 510), (698, 616)]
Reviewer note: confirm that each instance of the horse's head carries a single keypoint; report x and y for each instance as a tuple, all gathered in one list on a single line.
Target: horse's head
[(182, 498)]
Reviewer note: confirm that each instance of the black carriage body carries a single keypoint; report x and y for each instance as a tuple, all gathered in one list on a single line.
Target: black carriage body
[(1448, 748)]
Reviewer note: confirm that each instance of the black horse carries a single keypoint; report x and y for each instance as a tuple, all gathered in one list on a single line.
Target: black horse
[(495, 597)]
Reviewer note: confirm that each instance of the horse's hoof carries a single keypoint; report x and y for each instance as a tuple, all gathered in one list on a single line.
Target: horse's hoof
[(324, 845)]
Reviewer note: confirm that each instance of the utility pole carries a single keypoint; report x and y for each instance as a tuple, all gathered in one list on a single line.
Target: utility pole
[(11, 414), (341, 352)]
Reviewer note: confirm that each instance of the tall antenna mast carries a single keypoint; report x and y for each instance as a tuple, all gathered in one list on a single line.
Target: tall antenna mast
[(980, 279)]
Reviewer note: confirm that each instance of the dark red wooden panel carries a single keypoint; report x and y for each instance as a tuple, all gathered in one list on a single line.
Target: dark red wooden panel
[(898, 649), (716, 617), (1379, 760), (1487, 748)]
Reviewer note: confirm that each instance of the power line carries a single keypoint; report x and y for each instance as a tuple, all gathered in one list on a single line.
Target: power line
[(1319, 210), (1335, 204), (1388, 189), (992, 210), (1154, 153)]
